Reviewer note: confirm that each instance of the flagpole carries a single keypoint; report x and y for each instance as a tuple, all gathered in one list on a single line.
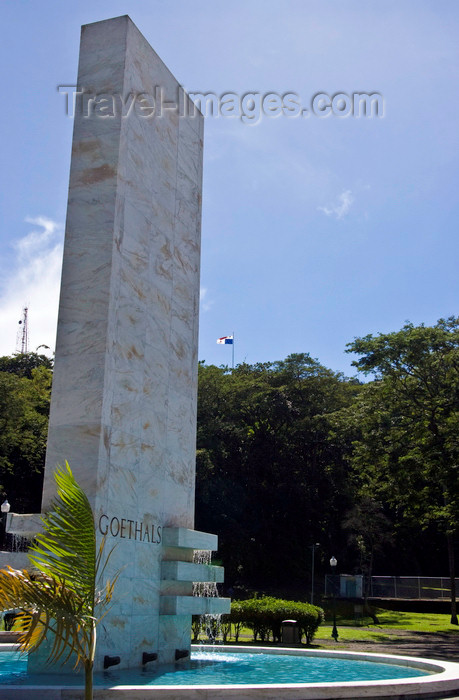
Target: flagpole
[(233, 349)]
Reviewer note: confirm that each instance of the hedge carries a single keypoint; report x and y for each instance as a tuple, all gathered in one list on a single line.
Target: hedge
[(264, 616)]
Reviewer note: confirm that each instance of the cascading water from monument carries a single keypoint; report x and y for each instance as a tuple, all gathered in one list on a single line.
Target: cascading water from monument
[(209, 623)]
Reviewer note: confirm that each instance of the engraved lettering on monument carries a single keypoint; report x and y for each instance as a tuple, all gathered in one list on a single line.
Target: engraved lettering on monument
[(130, 529)]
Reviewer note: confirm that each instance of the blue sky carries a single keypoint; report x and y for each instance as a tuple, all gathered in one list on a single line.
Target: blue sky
[(315, 230)]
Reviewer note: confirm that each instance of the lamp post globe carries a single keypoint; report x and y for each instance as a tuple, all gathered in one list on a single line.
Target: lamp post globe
[(5, 507)]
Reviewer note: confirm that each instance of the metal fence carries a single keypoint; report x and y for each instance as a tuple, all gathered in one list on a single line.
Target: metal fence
[(404, 587), (431, 588)]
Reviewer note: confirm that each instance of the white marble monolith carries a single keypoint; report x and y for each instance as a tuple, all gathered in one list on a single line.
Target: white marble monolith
[(123, 408)]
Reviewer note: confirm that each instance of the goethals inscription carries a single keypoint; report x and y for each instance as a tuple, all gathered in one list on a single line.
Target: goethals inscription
[(129, 529)]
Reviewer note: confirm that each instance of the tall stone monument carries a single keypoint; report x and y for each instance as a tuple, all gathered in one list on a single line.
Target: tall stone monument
[(123, 407)]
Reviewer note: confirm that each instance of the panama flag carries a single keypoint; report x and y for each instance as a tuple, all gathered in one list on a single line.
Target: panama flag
[(226, 340)]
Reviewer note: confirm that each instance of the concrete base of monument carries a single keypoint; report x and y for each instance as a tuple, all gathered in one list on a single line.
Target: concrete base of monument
[(441, 681), (17, 560)]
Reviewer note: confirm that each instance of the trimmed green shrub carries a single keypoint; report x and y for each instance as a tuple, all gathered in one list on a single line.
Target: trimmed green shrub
[(236, 618), (264, 616)]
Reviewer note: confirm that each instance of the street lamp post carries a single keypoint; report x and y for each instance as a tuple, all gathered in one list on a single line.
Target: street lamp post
[(334, 634), (313, 549), (5, 509)]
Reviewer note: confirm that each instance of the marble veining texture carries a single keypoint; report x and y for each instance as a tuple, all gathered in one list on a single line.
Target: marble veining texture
[(123, 410)]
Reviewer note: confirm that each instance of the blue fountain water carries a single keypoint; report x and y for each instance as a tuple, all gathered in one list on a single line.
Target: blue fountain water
[(219, 668)]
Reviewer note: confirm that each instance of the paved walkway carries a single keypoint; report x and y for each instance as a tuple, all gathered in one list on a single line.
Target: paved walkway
[(406, 643)]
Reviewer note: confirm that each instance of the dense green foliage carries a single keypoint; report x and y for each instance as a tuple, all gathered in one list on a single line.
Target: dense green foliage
[(25, 388), (264, 616), (269, 479), (409, 418), (290, 453), (23, 364), (407, 453)]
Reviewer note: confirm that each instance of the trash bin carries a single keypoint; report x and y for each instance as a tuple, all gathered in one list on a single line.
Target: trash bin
[(290, 632)]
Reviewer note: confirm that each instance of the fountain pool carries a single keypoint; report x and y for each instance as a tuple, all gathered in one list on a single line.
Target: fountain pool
[(266, 673)]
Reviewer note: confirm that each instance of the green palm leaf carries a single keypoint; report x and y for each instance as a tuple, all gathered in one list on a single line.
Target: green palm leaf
[(58, 601), (67, 547)]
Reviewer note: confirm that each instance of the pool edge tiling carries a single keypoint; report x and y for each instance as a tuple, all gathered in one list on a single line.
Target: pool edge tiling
[(443, 679)]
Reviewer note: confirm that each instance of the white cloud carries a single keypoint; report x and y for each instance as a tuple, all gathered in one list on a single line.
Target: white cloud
[(339, 210), (206, 304), (32, 280)]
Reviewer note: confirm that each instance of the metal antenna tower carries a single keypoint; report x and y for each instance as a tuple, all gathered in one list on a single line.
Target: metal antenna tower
[(22, 341)]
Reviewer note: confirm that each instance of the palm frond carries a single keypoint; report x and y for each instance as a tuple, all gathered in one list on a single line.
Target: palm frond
[(58, 603), (67, 547), (46, 605)]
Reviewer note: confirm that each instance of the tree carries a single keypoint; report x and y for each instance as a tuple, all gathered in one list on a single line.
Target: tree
[(370, 532), (24, 408), (268, 477), (59, 599), (408, 451), (23, 363)]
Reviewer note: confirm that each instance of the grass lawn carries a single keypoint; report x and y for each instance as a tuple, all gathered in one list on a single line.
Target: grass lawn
[(391, 621), (355, 634), (421, 622)]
